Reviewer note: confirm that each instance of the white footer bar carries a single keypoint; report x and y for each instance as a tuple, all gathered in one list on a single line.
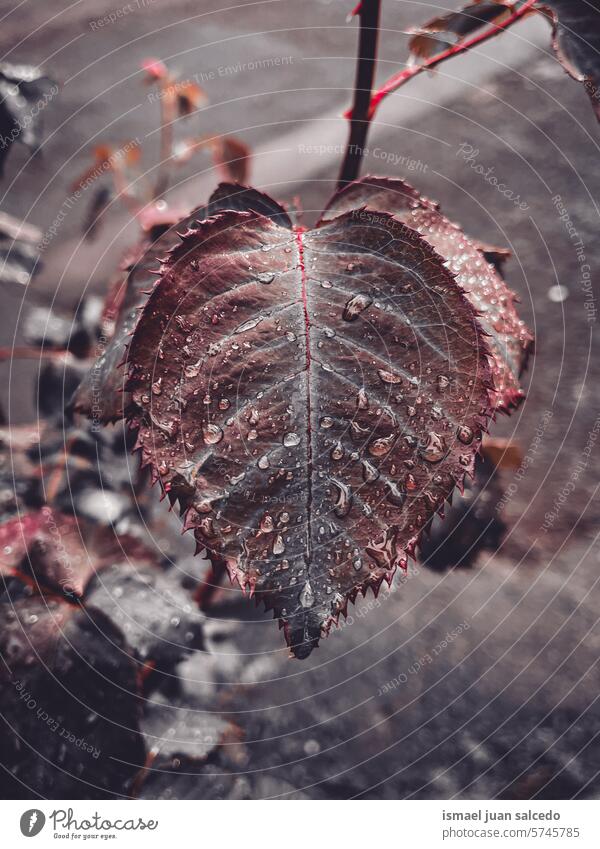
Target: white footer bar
[(297, 825)]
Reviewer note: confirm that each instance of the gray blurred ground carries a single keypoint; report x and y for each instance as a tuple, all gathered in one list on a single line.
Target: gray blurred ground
[(508, 707)]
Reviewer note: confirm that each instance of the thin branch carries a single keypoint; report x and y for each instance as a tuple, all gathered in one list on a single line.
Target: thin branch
[(402, 77), (168, 115), (122, 188), (59, 468), (360, 117)]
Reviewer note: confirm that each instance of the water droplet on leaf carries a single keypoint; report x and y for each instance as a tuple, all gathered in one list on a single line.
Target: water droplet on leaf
[(248, 325), (381, 446), (395, 495), (388, 376), (212, 434), (337, 452), (355, 306), (307, 597), (434, 448), (465, 434), (370, 472), (343, 498)]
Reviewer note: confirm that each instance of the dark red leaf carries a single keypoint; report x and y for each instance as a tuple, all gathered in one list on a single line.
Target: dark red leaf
[(311, 398), (576, 42), (101, 394), (63, 552), (510, 340), (57, 555), (14, 535), (429, 38)]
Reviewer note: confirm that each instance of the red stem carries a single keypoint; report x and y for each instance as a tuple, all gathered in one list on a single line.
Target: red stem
[(309, 435), (402, 76), (359, 116)]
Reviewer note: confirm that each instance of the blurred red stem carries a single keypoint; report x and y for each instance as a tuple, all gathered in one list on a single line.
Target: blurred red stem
[(167, 117), (27, 353)]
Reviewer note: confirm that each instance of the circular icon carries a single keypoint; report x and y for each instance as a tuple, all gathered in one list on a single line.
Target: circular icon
[(32, 822)]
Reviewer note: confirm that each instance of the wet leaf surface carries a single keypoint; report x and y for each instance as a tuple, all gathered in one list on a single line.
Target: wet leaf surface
[(509, 338), (55, 554), (61, 552), (310, 397), (102, 392)]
